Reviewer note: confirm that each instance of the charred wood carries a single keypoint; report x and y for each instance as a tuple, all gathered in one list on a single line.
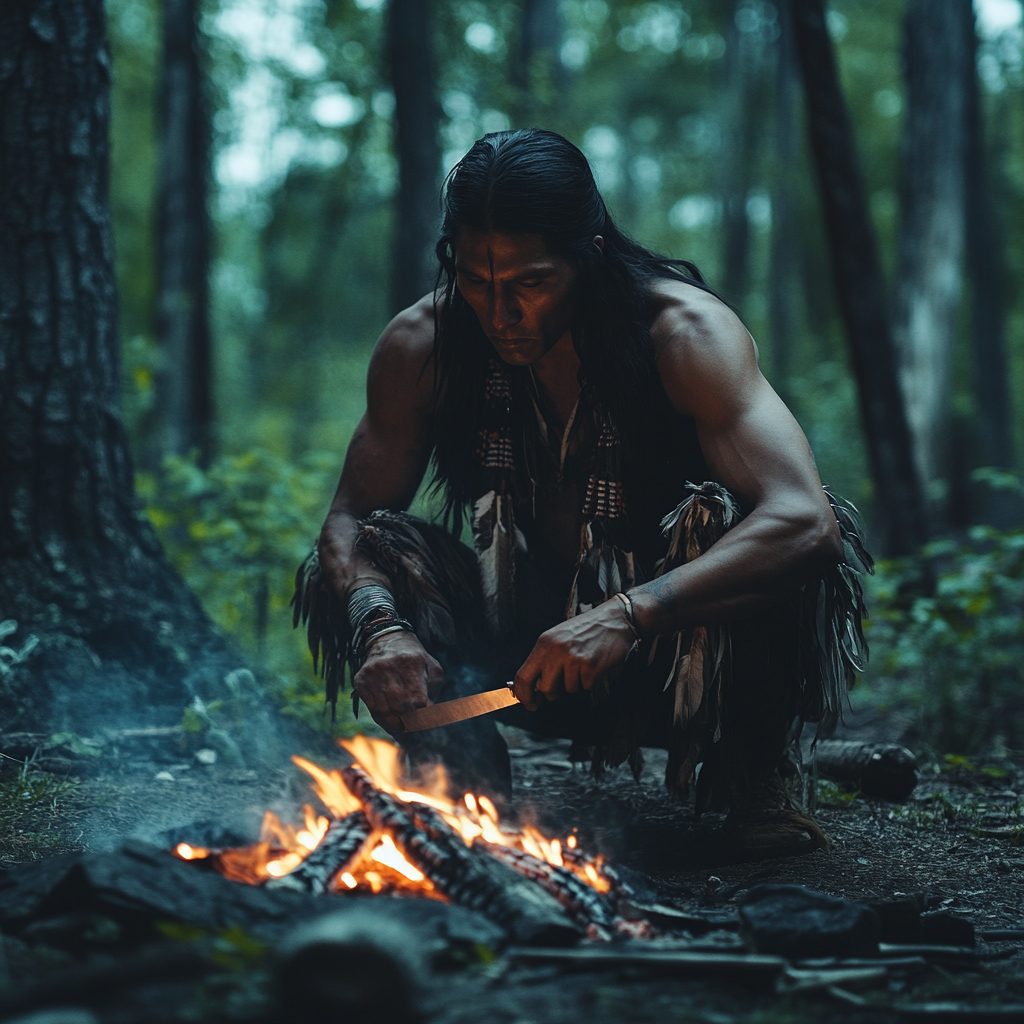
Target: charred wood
[(466, 876), (340, 846), (587, 907)]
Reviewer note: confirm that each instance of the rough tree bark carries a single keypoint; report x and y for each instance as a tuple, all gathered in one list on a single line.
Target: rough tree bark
[(121, 635), (986, 263), (931, 248), (783, 268), (859, 286), (417, 120), (184, 386)]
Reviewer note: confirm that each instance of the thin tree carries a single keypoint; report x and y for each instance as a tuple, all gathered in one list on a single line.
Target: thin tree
[(120, 633), (417, 144), (783, 241), (741, 117), (184, 384), (859, 285), (537, 71), (932, 227), (986, 264)]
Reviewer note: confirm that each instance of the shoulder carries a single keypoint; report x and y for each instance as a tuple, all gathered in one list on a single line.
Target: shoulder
[(706, 357), (401, 366)]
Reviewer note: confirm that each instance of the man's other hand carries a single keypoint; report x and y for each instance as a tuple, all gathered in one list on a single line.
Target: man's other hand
[(397, 676), (573, 655)]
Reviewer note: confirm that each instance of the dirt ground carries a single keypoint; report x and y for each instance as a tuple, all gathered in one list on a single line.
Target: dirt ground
[(955, 840)]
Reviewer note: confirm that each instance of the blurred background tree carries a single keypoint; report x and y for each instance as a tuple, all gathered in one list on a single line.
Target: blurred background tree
[(332, 120)]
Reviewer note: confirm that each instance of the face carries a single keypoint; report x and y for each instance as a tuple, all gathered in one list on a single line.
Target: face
[(523, 296)]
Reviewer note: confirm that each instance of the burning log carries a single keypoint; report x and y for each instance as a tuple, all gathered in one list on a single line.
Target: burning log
[(342, 844), (587, 907), (466, 876)]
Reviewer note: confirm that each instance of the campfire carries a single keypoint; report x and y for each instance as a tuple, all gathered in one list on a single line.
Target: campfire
[(381, 837)]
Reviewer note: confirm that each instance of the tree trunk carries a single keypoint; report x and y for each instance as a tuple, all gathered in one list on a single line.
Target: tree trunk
[(121, 636), (184, 386), (783, 265), (538, 73), (417, 119), (932, 223), (742, 80), (986, 262), (859, 286)]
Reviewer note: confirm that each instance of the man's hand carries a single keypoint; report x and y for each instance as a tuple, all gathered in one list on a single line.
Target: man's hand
[(397, 676), (573, 655)]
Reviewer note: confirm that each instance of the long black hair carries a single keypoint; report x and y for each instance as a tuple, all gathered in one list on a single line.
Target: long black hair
[(536, 182)]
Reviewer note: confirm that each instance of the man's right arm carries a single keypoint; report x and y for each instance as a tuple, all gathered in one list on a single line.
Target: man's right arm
[(384, 465)]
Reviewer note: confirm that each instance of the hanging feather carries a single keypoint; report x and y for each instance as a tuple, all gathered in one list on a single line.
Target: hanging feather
[(495, 539), (604, 568), (690, 679)]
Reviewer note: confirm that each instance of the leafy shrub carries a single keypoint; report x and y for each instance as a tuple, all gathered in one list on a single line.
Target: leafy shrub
[(237, 532), (954, 651)]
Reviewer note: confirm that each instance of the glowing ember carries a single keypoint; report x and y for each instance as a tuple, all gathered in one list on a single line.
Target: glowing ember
[(382, 866)]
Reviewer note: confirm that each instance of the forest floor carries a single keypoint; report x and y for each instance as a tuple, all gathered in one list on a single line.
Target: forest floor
[(955, 840)]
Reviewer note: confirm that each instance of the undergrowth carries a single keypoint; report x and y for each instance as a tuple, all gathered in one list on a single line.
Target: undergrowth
[(30, 826)]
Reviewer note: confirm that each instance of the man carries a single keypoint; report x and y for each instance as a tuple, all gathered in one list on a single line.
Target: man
[(574, 391)]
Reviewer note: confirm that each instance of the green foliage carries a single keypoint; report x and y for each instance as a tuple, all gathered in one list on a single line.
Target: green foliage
[(237, 531), (955, 651)]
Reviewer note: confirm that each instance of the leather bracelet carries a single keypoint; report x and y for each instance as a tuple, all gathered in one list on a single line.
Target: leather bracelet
[(627, 607), (369, 632)]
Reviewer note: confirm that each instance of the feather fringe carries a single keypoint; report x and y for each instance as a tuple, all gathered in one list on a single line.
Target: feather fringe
[(603, 569), (433, 579), (699, 520)]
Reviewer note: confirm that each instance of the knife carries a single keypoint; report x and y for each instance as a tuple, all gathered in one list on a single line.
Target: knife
[(458, 710)]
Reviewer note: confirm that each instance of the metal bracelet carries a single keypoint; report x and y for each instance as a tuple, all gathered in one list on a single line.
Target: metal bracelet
[(364, 602)]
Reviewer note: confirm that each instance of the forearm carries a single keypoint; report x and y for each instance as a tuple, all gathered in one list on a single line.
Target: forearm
[(344, 567), (762, 558)]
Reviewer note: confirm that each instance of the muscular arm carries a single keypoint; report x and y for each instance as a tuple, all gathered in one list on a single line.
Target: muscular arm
[(384, 465), (755, 448), (388, 453)]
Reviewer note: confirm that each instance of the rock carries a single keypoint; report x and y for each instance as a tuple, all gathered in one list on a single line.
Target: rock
[(791, 921), (941, 928), (353, 965)]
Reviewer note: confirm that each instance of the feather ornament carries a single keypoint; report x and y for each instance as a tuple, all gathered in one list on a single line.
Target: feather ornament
[(603, 569), (495, 539), (700, 519)]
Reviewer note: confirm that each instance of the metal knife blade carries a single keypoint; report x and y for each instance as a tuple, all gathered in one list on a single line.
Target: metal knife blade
[(458, 710)]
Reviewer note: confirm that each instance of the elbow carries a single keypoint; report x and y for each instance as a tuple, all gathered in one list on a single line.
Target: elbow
[(823, 544)]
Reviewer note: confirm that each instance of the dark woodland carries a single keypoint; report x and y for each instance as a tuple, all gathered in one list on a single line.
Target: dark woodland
[(209, 210)]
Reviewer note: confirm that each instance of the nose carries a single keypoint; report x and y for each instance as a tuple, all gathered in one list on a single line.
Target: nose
[(505, 311)]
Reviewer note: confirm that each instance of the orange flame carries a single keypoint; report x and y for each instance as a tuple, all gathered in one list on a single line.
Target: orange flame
[(283, 847)]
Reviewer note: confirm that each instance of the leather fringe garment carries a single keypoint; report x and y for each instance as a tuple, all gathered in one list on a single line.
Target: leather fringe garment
[(725, 697)]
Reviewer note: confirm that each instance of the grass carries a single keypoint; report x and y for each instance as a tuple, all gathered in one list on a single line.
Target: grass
[(34, 821)]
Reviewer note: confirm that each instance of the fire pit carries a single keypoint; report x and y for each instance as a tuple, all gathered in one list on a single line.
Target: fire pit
[(383, 837)]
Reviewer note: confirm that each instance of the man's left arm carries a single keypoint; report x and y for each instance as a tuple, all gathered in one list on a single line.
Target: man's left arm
[(754, 447)]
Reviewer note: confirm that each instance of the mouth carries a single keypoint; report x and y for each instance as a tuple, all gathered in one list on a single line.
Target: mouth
[(511, 342)]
